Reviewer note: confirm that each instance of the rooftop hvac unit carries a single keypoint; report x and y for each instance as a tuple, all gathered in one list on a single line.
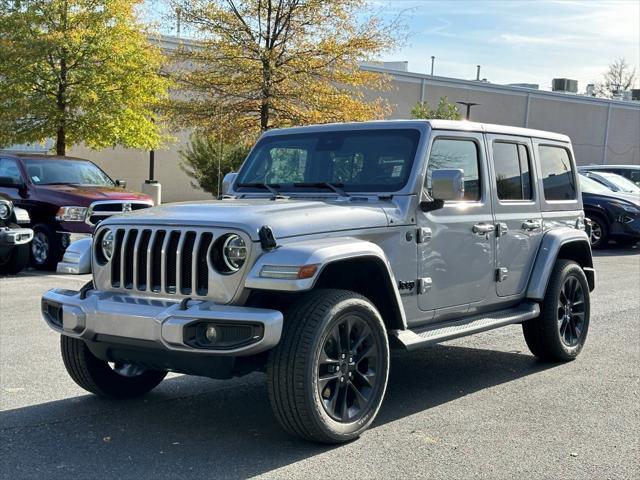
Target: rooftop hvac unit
[(564, 85)]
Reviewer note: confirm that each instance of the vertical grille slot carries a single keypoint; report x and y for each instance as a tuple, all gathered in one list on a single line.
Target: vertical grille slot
[(202, 266), (128, 258), (156, 261), (141, 263), (116, 259), (186, 259), (171, 261)]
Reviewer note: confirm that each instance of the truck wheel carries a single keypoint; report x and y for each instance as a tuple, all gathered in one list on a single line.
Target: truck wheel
[(559, 333), (599, 232), (328, 374), (97, 376), (46, 247), (17, 260)]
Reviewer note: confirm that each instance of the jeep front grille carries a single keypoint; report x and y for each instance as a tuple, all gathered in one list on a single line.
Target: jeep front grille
[(101, 210), (159, 260)]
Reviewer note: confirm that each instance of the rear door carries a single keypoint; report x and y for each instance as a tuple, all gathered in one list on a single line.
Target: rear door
[(516, 210)]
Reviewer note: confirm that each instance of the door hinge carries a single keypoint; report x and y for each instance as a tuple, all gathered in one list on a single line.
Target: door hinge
[(423, 235), (502, 274), (424, 285)]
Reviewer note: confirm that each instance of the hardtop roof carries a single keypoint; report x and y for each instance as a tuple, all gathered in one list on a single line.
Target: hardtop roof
[(459, 125), (39, 156)]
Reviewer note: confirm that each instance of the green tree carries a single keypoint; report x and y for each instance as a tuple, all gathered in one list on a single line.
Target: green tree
[(207, 159), (444, 110), (78, 71), (260, 64)]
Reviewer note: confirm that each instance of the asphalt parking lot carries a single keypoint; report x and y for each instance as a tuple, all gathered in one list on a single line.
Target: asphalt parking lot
[(480, 407)]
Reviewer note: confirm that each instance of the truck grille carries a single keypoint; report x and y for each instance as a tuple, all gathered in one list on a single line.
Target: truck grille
[(161, 260), (100, 210)]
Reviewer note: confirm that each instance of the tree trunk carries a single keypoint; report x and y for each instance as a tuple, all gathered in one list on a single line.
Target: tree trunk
[(61, 141)]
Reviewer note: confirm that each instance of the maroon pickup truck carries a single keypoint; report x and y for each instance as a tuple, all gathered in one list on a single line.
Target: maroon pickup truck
[(63, 196)]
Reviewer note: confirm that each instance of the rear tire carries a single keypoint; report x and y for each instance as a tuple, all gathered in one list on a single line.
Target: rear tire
[(328, 375), (97, 376), (560, 332)]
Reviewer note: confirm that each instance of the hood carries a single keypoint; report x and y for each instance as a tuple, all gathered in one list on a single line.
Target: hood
[(619, 197), (82, 195), (287, 218)]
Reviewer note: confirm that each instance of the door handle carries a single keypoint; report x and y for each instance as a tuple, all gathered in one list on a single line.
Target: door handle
[(483, 228), (531, 224)]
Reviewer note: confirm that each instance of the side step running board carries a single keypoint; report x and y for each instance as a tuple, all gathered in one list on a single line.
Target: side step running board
[(430, 334)]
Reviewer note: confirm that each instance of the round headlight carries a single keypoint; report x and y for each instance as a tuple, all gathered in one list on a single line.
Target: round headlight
[(5, 211), (106, 244), (234, 252)]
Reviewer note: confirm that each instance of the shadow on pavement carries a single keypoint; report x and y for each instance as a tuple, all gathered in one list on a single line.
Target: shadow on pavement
[(202, 428), (617, 250)]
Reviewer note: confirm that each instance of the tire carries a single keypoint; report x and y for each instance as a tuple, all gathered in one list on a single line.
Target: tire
[(599, 232), (559, 333), (17, 260), (46, 247), (315, 327), (97, 376)]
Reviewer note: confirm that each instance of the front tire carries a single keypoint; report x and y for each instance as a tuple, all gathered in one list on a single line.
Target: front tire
[(46, 247), (97, 376), (560, 332), (599, 232), (328, 375), (17, 260)]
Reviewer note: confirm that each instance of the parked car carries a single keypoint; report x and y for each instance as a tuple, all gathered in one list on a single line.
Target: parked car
[(14, 239), (613, 181), (332, 244), (631, 172), (63, 196), (614, 215)]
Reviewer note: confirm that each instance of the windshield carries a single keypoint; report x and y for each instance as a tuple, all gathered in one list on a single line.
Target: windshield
[(356, 161), (591, 186), (65, 172), (623, 184)]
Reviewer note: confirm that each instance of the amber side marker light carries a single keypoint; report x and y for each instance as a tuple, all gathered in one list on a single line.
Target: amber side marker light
[(289, 272)]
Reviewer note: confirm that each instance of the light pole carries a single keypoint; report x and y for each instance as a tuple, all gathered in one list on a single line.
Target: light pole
[(469, 105), (432, 60)]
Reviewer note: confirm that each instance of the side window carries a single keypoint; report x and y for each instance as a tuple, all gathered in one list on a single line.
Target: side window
[(9, 169), (513, 179), (463, 154), (558, 179)]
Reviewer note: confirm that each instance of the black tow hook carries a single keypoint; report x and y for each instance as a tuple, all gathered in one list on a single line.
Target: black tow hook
[(184, 303), (85, 289)]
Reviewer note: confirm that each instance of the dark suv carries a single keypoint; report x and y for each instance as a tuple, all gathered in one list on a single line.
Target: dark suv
[(63, 195)]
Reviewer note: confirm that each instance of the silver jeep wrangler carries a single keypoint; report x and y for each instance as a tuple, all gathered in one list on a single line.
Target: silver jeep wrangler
[(331, 245)]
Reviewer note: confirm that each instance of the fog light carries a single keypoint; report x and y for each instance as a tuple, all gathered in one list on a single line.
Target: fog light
[(211, 333)]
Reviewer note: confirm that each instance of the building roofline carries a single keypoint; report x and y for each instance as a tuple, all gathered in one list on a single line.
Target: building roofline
[(493, 87)]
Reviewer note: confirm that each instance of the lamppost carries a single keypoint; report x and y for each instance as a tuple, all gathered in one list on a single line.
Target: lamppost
[(469, 105)]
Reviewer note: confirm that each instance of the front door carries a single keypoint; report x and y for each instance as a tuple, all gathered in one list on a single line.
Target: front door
[(517, 211), (456, 254)]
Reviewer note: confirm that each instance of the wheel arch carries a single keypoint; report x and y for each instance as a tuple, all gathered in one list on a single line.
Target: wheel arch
[(562, 243), (347, 264)]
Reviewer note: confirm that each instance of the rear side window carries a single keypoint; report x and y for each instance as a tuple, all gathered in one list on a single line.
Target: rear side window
[(558, 179), (463, 154), (511, 162)]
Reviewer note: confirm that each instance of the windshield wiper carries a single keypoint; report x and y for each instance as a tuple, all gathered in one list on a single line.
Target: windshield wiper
[(336, 187), (271, 187)]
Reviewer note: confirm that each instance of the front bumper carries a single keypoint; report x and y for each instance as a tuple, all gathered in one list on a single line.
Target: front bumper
[(15, 236), (162, 325)]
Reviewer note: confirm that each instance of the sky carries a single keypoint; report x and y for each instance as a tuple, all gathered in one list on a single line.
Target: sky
[(516, 41)]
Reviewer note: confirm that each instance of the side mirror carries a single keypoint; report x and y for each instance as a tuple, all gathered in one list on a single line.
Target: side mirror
[(9, 182), (121, 183), (446, 185), (227, 181)]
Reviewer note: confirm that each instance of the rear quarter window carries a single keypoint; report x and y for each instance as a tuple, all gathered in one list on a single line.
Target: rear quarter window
[(558, 178)]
